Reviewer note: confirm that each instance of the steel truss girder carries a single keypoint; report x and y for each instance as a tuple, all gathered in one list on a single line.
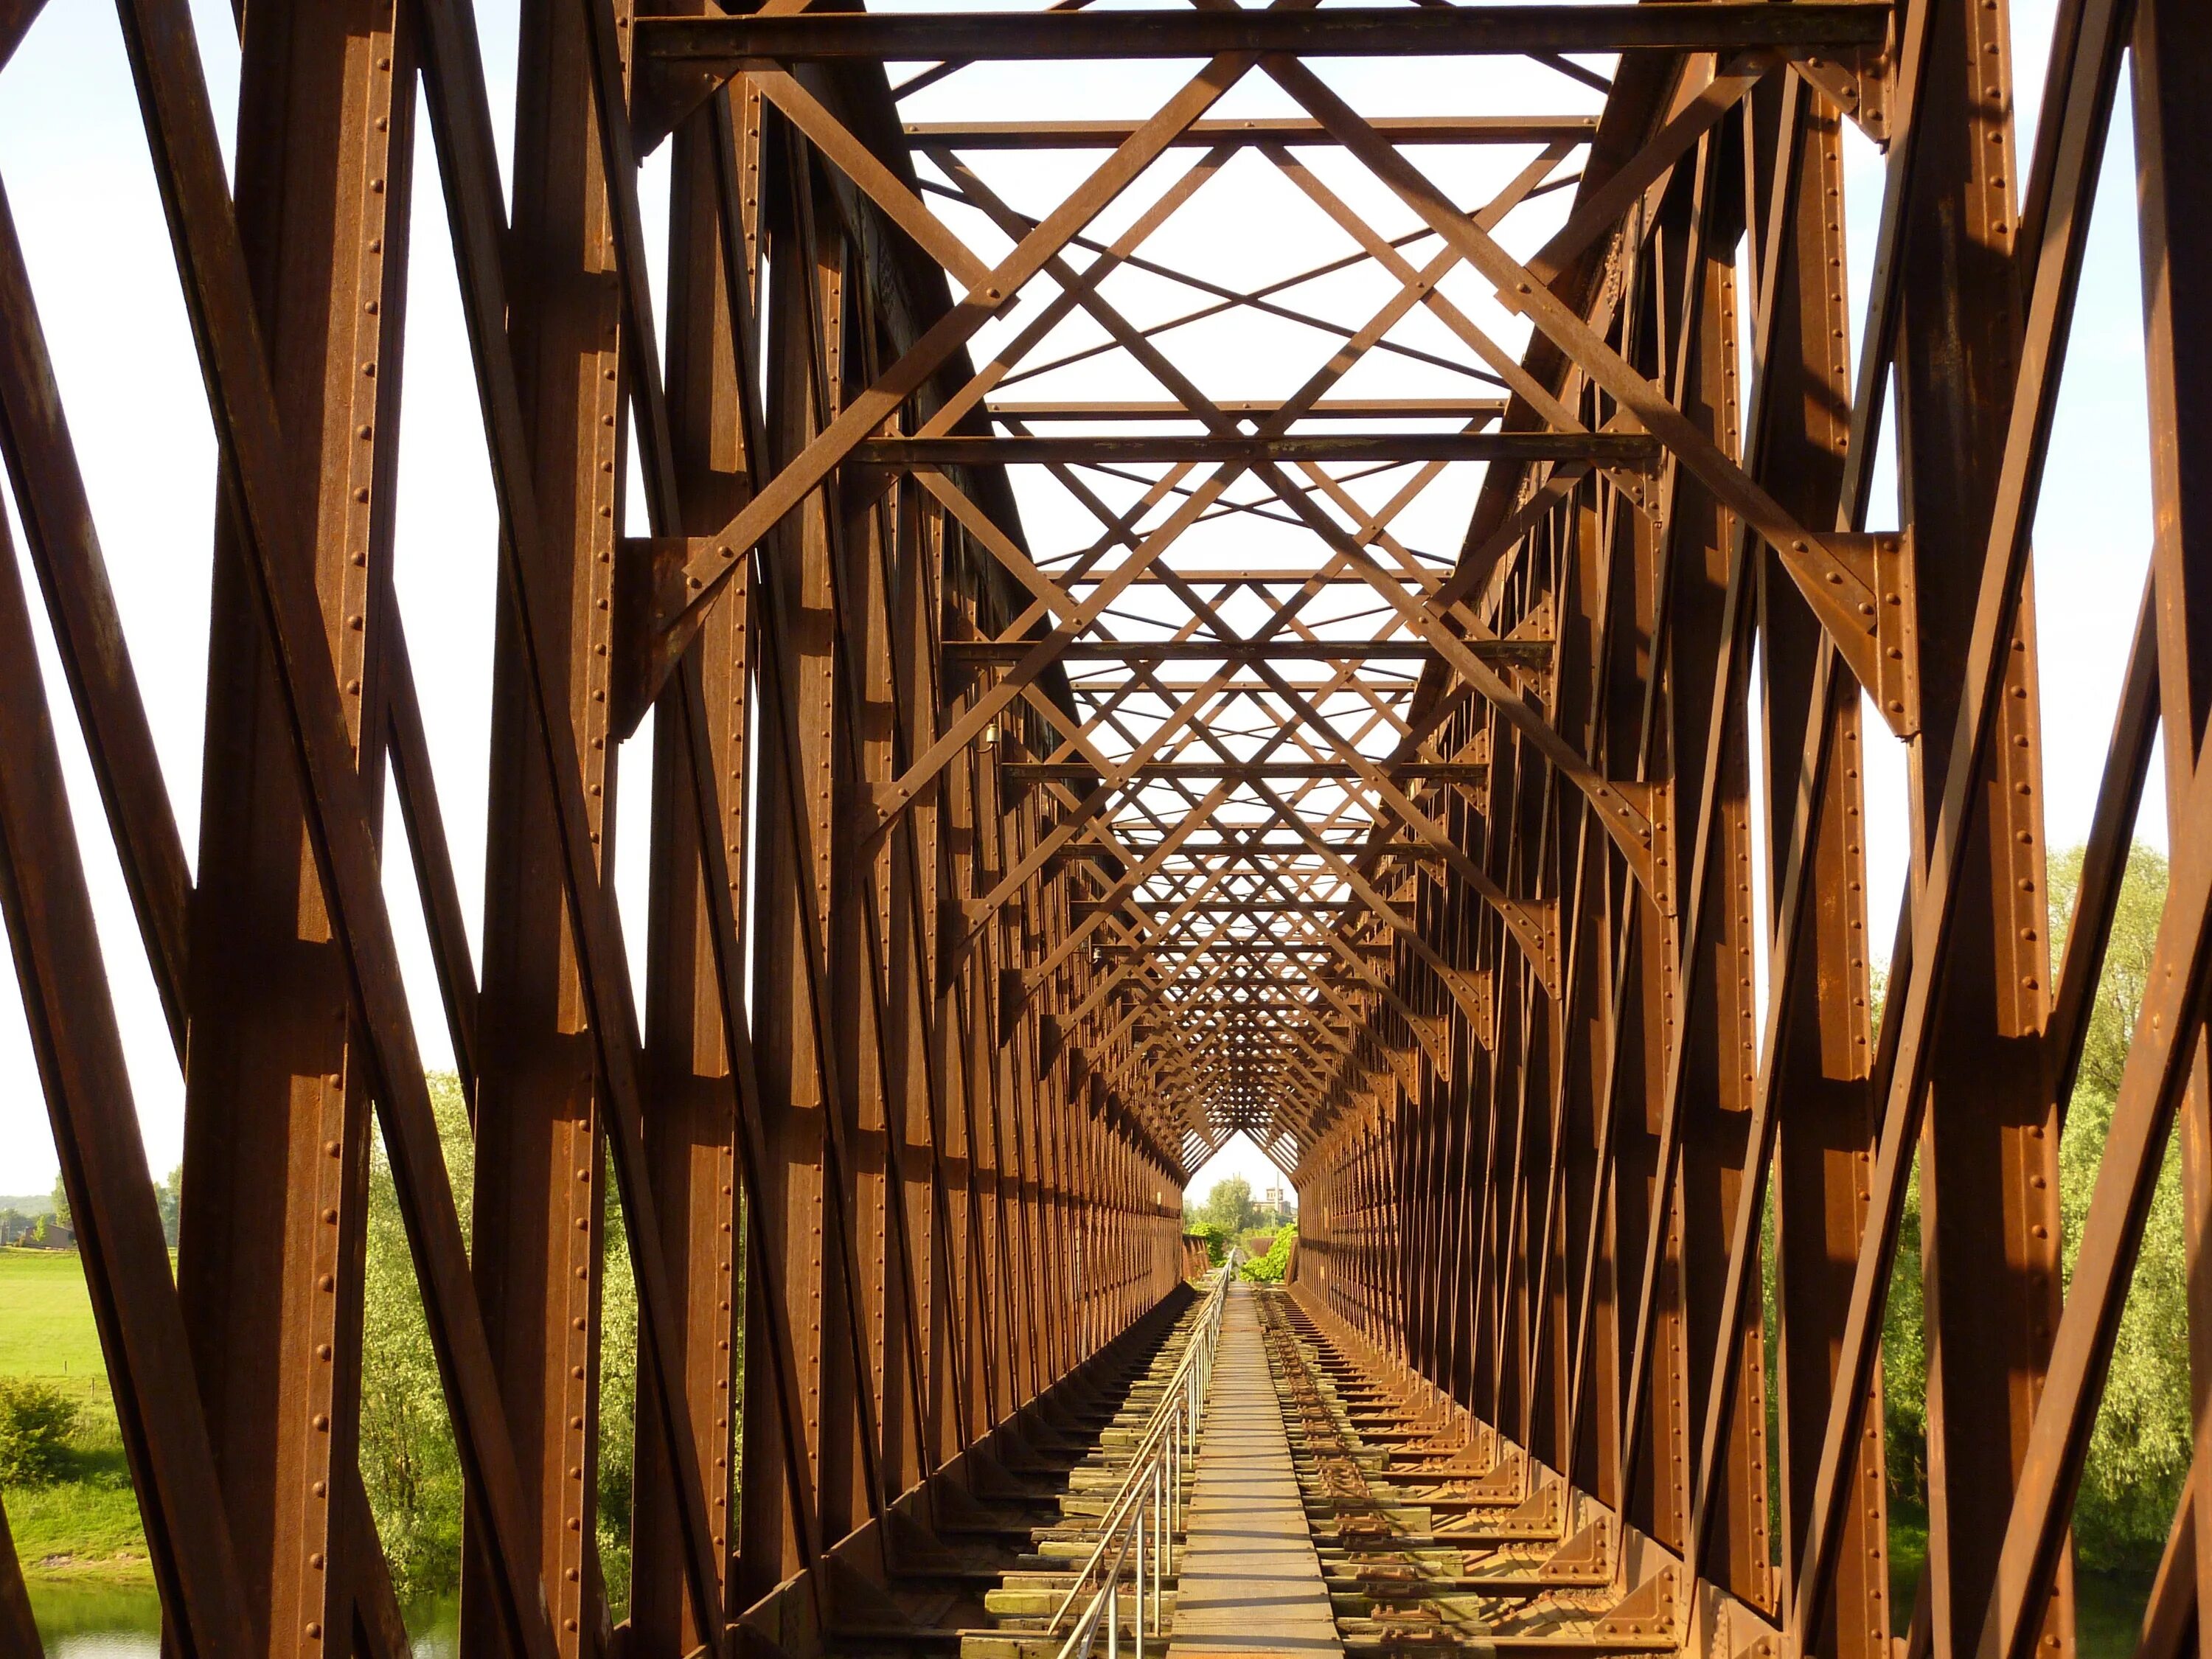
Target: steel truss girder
[(975, 926)]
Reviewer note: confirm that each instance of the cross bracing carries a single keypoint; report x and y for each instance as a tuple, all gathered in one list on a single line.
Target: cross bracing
[(1317, 571)]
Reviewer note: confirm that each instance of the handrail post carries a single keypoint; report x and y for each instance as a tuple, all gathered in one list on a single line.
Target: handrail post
[(1162, 1542), (1140, 1584)]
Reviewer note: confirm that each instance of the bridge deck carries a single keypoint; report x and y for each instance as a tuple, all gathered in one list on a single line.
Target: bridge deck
[(1250, 1581)]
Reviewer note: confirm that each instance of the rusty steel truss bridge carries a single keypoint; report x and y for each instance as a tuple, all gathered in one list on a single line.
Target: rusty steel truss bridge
[(1164, 609)]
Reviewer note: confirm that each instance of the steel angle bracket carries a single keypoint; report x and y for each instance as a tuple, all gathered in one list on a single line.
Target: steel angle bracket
[(1431, 1034), (1856, 80), (1405, 1065), (1641, 490), (1535, 927), (1653, 1608), (664, 91), (1885, 656), (654, 621), (1584, 1558), (1648, 847), (1541, 626), (1471, 990), (1474, 789)]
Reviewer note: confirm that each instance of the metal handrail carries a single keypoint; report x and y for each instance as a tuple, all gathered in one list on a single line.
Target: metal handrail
[(1147, 1506)]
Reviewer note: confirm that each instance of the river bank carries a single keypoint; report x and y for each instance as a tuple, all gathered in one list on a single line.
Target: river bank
[(84, 1528)]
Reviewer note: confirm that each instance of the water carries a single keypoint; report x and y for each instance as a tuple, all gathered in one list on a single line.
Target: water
[(123, 1621)]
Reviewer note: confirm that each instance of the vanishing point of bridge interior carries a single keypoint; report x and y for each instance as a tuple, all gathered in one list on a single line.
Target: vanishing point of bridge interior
[(1337, 572)]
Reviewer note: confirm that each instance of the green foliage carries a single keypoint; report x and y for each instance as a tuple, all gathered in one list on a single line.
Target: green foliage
[(1905, 1357), (1269, 1269), (36, 1421), (84, 1525), (61, 1202), (1216, 1238), (2126, 958), (618, 1404), (2139, 1450), (168, 1199), (1227, 1209), (409, 1462)]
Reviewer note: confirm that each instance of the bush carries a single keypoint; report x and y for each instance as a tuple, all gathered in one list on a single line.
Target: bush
[(1216, 1237), (36, 1422), (1269, 1269)]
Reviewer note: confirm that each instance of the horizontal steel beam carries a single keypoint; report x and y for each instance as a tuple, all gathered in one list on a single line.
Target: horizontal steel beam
[(1164, 571), (1316, 771), (1609, 448), (1328, 408), (1233, 948), (1251, 907), (1292, 854), (1266, 129), (980, 653), (1346, 32)]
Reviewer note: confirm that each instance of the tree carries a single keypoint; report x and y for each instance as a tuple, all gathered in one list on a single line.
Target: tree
[(2139, 1451), (1229, 1205), (168, 1198), (409, 1462), (61, 1202)]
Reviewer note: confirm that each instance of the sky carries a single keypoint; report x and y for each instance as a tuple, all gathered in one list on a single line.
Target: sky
[(74, 166)]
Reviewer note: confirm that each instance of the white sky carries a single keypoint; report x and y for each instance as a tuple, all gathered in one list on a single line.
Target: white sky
[(1239, 1157), (73, 161)]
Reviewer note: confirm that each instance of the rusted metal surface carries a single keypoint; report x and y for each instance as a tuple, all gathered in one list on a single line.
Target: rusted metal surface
[(1461, 794)]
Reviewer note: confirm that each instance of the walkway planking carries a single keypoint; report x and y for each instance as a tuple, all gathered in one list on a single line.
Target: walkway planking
[(1250, 1582)]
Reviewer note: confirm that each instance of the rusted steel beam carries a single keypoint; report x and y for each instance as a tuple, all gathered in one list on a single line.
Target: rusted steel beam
[(415, 786), (973, 927), (1351, 31), (2065, 165), (540, 1206), (17, 1628), (180, 128), (1009, 410), (1250, 129), (79, 1049), (1616, 449), (277, 1101), (693, 1138), (65, 550), (1019, 772), (2168, 54)]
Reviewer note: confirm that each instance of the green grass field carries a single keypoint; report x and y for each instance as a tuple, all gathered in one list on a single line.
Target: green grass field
[(47, 1328), (85, 1527)]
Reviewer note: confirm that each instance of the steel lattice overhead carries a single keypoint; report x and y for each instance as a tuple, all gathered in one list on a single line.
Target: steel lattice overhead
[(1235, 740), (1295, 569)]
